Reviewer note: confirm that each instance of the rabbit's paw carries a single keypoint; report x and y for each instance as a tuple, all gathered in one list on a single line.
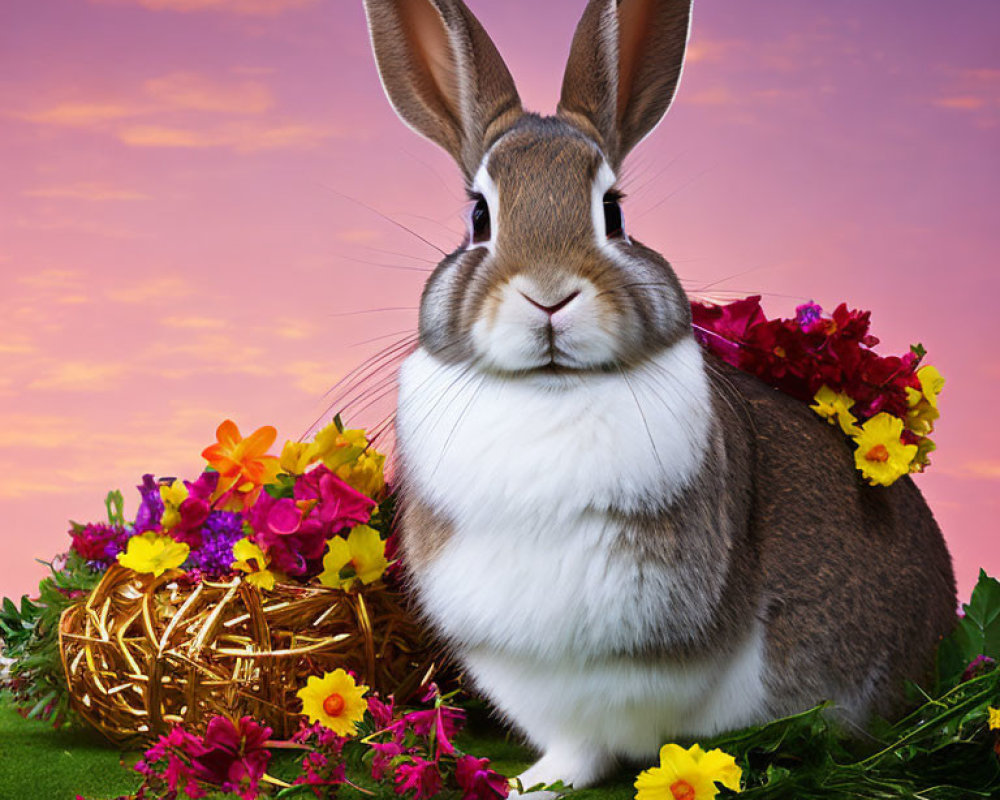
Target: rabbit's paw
[(568, 764)]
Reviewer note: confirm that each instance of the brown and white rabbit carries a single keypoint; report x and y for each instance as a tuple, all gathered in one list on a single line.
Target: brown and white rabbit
[(622, 540)]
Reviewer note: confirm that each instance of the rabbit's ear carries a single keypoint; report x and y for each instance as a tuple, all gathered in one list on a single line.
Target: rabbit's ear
[(443, 75), (623, 69)]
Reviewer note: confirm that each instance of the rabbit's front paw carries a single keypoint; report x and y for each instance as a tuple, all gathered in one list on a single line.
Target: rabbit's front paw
[(573, 764)]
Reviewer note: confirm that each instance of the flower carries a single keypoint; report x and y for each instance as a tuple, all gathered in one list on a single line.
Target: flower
[(172, 494), (931, 384), (420, 775), (233, 756), (688, 775), (336, 447), (335, 701), (835, 407), (243, 464), (220, 532), (477, 781), (249, 558), (366, 474), (153, 552), (296, 457), (994, 718), (99, 544), (151, 508), (363, 551), (881, 456)]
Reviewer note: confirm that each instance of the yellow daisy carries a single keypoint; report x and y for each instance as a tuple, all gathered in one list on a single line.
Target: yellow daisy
[(688, 775), (336, 701), (994, 718), (881, 456)]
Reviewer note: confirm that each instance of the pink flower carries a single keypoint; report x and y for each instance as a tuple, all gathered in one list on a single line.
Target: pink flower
[(477, 781), (385, 752), (420, 776), (195, 508)]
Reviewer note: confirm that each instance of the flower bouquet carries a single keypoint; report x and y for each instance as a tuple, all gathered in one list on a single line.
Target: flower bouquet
[(227, 592)]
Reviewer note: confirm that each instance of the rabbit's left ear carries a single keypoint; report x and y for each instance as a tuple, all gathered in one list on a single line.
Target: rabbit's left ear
[(443, 75), (623, 70)]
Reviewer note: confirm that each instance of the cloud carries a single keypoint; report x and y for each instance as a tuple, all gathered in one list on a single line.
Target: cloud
[(962, 102), (982, 469), (163, 288), (242, 137), (79, 115), (197, 323), (79, 376), (183, 109), (261, 8), (189, 90), (85, 191)]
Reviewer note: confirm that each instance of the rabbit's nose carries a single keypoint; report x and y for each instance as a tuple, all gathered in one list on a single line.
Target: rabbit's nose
[(552, 309)]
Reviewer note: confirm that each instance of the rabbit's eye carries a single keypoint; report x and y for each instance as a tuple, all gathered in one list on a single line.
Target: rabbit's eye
[(481, 221), (612, 215)]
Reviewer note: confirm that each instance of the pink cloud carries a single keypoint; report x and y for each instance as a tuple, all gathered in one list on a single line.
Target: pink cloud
[(264, 8)]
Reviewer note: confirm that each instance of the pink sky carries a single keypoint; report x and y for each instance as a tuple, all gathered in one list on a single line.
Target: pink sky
[(175, 242)]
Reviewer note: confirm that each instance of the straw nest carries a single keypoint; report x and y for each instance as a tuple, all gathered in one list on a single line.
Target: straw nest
[(143, 653)]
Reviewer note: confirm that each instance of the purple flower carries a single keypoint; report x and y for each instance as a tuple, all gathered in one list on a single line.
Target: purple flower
[(99, 544), (219, 533), (809, 317), (151, 509)]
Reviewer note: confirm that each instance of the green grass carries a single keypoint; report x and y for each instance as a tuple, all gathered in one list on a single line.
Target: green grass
[(38, 762)]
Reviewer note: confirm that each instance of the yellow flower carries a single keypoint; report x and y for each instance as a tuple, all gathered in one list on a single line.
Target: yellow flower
[(921, 417), (688, 775), (922, 459), (994, 718), (931, 383), (172, 496), (335, 701), (153, 552), (881, 456), (363, 551), (336, 447), (367, 474), (249, 558), (836, 408), (296, 457)]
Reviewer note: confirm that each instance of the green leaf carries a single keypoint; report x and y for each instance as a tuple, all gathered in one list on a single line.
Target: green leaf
[(978, 632)]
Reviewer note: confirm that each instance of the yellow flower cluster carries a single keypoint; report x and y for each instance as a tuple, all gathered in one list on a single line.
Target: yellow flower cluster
[(345, 452), (881, 455)]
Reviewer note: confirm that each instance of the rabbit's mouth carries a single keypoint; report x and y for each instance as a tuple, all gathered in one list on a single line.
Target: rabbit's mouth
[(556, 327)]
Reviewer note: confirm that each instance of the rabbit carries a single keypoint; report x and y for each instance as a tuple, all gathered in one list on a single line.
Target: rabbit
[(622, 540)]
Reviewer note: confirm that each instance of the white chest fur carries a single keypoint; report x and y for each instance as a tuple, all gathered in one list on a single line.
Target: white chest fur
[(531, 584)]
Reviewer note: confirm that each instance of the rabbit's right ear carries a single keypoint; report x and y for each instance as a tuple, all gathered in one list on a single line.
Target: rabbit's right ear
[(623, 70), (443, 75)]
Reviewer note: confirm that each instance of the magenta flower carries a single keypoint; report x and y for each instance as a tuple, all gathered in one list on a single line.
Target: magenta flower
[(99, 544), (477, 781), (194, 509), (420, 776), (294, 532), (385, 752), (233, 757)]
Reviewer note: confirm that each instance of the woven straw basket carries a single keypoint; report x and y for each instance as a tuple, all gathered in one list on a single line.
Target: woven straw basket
[(142, 654)]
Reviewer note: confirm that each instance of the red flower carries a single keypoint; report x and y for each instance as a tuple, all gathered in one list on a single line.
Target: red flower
[(477, 781)]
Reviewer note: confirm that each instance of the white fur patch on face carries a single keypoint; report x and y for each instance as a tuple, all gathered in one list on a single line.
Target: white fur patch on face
[(516, 335)]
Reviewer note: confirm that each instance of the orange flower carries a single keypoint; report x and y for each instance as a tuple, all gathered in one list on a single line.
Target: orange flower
[(243, 464)]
